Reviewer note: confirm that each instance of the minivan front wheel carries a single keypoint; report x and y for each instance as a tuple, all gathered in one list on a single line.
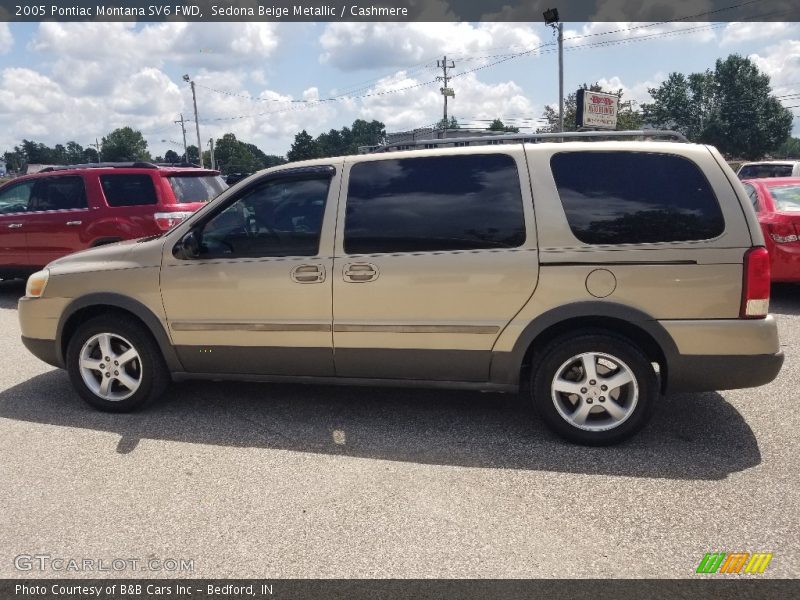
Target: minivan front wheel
[(594, 388), (115, 365)]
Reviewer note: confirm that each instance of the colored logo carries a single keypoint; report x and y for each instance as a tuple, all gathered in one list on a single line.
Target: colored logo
[(734, 562)]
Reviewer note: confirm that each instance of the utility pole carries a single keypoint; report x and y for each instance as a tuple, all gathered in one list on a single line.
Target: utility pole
[(187, 79), (183, 129), (551, 20), (97, 147), (446, 91), (211, 151)]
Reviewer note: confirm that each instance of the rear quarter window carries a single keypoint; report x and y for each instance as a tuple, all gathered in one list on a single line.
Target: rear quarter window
[(635, 197), (128, 190)]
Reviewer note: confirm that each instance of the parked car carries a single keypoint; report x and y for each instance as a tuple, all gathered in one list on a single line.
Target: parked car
[(60, 210), (777, 205), (597, 275), (234, 178), (769, 168)]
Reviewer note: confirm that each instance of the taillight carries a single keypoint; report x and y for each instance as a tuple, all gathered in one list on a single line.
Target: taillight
[(168, 220), (755, 285), (782, 233)]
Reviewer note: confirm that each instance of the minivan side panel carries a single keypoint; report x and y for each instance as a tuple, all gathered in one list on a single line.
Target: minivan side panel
[(666, 282), (252, 315), (430, 314)]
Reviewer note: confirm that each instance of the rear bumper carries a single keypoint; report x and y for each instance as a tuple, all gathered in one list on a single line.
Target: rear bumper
[(705, 373), (722, 354), (46, 350)]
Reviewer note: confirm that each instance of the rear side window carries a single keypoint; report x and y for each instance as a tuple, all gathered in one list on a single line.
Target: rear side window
[(752, 195), (58, 193), (635, 198), (434, 203), (128, 190), (193, 188)]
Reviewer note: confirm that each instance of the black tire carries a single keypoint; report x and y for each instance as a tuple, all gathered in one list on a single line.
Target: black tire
[(636, 400), (149, 367)]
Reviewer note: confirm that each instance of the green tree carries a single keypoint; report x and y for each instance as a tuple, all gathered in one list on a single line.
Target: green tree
[(235, 156), (73, 153), (498, 125), (90, 155), (731, 107), (303, 148), (124, 144), (363, 133), (192, 155), (789, 149), (171, 156), (626, 119), (452, 123)]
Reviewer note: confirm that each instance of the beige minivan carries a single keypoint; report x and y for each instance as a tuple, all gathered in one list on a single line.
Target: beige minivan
[(598, 275)]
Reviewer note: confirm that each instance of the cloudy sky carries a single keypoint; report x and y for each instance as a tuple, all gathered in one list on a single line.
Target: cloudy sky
[(267, 81)]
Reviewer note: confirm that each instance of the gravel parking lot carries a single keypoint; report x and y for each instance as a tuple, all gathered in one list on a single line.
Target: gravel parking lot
[(290, 481)]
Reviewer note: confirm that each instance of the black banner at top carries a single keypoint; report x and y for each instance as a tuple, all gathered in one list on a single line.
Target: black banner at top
[(399, 10)]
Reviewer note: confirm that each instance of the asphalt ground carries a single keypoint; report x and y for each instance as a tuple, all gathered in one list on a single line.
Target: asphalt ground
[(286, 481)]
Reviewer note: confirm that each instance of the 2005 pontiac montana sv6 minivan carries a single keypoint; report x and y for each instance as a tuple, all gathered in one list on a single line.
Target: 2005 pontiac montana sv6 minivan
[(599, 275)]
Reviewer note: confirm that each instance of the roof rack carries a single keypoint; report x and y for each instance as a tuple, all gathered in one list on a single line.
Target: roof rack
[(535, 138), (102, 165), (177, 164)]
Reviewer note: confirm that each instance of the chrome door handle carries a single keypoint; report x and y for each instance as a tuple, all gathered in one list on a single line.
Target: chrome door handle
[(14, 225), (308, 274), (360, 272), (74, 222)]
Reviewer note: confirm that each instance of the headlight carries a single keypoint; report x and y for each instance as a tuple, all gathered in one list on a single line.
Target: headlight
[(36, 284)]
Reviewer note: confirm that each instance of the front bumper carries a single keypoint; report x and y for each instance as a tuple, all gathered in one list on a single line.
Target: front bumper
[(46, 350)]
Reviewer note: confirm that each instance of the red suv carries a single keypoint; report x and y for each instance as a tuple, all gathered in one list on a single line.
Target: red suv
[(60, 210), (777, 204)]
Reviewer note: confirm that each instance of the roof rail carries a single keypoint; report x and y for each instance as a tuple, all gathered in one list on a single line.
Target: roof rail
[(535, 138), (103, 165)]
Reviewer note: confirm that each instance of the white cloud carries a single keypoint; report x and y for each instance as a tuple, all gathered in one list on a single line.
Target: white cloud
[(351, 46), (193, 45), (33, 106), (636, 92), (736, 33), (421, 106), (271, 121), (625, 31), (782, 63), (6, 39)]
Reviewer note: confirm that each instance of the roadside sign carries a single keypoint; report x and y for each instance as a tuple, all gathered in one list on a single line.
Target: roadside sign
[(596, 110)]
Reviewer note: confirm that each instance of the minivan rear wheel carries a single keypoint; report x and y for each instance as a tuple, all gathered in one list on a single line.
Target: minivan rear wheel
[(594, 388), (115, 364)]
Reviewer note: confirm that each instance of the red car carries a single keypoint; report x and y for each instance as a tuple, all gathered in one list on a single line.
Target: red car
[(777, 204), (60, 210)]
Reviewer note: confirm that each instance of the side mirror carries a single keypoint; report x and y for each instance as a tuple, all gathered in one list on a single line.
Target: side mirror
[(188, 247)]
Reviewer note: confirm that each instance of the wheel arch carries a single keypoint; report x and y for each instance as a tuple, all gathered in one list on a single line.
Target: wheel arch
[(639, 327), (102, 241), (100, 303)]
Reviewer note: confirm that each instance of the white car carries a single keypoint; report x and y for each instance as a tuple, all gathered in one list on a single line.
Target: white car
[(769, 168)]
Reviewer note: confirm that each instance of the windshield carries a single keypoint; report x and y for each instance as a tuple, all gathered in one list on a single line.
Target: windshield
[(787, 197), (196, 188)]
